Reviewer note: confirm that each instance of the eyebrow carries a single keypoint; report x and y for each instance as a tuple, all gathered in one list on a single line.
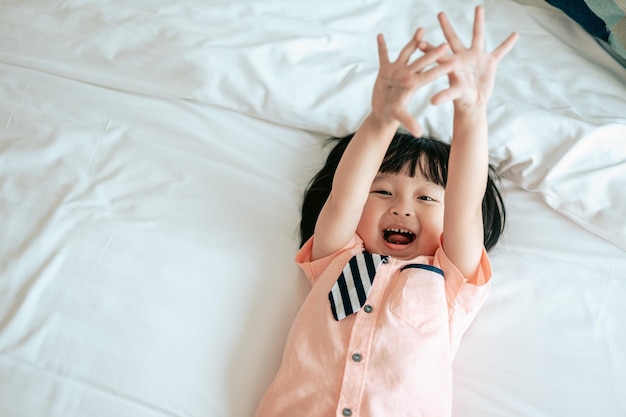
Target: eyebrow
[(381, 176)]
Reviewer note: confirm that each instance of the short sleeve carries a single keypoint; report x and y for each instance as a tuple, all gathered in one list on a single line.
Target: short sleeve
[(456, 283), (313, 269), (465, 295)]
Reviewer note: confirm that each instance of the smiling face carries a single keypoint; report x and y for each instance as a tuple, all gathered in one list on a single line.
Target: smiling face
[(403, 216)]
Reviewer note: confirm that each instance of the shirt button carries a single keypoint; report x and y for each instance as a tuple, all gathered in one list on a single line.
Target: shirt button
[(385, 259), (347, 412), (357, 357), (368, 308)]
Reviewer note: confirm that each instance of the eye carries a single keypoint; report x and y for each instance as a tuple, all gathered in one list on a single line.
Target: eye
[(425, 198), (381, 192)]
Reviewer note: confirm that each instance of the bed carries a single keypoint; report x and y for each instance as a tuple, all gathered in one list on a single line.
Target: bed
[(153, 156)]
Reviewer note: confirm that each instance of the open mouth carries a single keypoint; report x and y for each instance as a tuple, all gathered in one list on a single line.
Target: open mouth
[(398, 236)]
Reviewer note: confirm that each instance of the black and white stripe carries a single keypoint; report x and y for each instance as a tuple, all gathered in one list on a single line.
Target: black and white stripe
[(350, 291)]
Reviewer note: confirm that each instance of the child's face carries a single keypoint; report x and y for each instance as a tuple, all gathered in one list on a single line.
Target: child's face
[(403, 216)]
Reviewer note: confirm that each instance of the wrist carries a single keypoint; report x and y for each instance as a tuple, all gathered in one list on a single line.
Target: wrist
[(475, 108), (470, 114), (382, 127)]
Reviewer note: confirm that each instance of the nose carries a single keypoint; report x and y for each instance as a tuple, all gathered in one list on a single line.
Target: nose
[(401, 208)]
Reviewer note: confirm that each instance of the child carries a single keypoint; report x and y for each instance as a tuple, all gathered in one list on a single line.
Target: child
[(397, 261)]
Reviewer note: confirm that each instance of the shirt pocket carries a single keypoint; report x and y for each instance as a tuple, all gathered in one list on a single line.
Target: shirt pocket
[(420, 298)]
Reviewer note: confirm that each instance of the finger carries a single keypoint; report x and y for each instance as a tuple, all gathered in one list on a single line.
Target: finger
[(429, 58), (505, 47), (435, 72), (444, 59), (411, 47), (410, 124), (383, 54), (425, 46), (444, 96), (478, 39), (451, 36)]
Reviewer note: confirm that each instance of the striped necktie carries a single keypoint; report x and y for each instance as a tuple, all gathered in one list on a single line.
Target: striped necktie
[(350, 291)]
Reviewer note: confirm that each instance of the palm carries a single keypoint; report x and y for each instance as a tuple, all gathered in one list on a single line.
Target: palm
[(472, 77), (398, 80), (391, 95)]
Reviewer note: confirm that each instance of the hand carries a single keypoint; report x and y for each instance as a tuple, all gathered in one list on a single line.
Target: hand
[(473, 74), (396, 81)]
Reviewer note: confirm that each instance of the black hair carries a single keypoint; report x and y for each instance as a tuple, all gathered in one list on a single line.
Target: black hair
[(425, 155)]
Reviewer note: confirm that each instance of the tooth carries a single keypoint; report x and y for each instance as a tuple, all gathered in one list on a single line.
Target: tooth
[(398, 230)]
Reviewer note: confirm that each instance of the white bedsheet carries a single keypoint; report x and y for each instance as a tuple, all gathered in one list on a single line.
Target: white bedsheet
[(152, 161)]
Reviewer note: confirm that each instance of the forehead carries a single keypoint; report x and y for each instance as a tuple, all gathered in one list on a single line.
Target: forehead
[(404, 179), (427, 162)]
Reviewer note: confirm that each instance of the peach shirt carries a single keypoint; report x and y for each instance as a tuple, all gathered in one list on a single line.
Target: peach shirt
[(393, 358)]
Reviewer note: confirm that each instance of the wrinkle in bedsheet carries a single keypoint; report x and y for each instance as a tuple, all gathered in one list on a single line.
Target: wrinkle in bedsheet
[(563, 318), (65, 402), (610, 328)]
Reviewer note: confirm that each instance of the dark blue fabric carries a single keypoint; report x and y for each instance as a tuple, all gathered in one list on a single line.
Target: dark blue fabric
[(423, 266), (578, 11)]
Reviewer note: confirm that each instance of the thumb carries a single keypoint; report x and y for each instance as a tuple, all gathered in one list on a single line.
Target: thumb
[(409, 122)]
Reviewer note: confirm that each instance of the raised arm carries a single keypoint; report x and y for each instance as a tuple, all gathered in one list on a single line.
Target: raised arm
[(471, 83), (394, 86)]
